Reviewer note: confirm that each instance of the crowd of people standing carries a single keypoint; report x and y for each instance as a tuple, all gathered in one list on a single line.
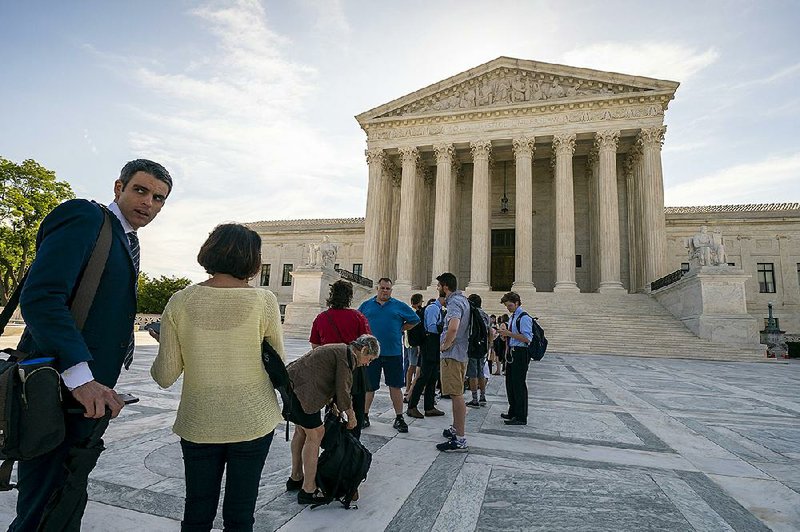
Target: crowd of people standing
[(211, 334)]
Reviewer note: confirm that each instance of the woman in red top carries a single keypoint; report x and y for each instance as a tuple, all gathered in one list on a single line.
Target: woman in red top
[(341, 324)]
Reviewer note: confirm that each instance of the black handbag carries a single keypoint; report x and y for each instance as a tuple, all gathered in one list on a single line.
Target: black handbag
[(31, 414), (274, 365)]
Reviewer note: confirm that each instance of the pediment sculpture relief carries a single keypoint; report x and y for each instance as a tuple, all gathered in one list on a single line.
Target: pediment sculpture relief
[(507, 87)]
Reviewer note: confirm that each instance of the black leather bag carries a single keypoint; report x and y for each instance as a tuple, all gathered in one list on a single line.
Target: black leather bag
[(274, 365), (31, 413)]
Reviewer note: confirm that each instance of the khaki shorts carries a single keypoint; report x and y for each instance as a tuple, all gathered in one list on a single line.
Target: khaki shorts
[(453, 373)]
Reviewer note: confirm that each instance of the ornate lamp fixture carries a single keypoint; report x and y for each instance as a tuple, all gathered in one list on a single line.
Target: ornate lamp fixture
[(504, 199)]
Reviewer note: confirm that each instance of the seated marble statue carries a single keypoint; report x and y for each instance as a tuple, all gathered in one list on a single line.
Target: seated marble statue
[(706, 249)]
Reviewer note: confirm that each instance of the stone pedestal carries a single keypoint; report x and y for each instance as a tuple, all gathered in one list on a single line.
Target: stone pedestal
[(311, 287), (711, 302)]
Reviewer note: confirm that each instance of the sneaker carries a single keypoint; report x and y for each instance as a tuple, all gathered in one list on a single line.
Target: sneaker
[(293, 485), (415, 413), (433, 412), (400, 424), (474, 404), (454, 445), (449, 433), (482, 400), (366, 420), (506, 416), (304, 497)]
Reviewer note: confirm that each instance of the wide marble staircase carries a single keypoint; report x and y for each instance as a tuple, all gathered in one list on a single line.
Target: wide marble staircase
[(624, 324)]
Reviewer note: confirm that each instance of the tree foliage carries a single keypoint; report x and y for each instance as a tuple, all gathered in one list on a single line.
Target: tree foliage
[(28, 192), (154, 293)]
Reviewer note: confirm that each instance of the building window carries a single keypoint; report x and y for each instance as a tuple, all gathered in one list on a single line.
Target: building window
[(798, 273), (731, 264), (578, 261), (336, 266), (766, 277), (286, 280), (684, 267), (265, 269), (358, 269)]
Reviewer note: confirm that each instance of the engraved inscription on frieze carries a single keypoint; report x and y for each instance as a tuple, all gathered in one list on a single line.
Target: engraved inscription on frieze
[(505, 86), (578, 116)]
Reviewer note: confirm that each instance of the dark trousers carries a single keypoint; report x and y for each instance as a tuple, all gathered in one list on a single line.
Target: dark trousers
[(40, 477), (204, 464), (359, 402), (516, 386), (428, 374)]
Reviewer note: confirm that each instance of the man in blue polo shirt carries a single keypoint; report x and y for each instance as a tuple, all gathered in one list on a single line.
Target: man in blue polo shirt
[(388, 318)]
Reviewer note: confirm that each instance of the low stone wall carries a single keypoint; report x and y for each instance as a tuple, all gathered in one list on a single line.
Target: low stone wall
[(711, 302)]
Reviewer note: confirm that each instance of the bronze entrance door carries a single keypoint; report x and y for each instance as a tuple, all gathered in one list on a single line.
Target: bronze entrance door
[(502, 259)]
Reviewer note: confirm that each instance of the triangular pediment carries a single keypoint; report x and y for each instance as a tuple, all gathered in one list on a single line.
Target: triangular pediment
[(508, 82)]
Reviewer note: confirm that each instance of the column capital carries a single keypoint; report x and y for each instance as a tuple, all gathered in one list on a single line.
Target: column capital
[(608, 139), (523, 147), (652, 137), (481, 149), (375, 155), (409, 154), (592, 158), (444, 153), (564, 143), (423, 171)]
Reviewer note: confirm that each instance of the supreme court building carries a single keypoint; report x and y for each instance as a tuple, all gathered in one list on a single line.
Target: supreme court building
[(528, 176)]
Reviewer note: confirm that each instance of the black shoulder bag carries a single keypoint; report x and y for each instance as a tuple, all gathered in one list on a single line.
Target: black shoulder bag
[(31, 414)]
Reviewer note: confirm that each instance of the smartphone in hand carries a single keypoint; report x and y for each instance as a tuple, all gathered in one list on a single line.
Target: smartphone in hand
[(154, 326)]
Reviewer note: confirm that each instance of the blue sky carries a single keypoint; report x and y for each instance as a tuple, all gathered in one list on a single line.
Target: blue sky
[(250, 104)]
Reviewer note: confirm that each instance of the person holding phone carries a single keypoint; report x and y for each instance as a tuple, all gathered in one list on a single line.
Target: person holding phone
[(211, 333)]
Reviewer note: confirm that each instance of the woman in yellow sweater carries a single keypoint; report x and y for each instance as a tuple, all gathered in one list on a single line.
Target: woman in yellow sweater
[(212, 332)]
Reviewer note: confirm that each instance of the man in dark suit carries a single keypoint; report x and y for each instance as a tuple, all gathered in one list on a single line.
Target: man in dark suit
[(90, 360)]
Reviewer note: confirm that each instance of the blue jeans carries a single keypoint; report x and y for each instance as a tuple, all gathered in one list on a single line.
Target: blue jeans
[(204, 464)]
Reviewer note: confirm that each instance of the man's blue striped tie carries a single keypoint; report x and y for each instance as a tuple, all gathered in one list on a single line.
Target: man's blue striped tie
[(133, 240)]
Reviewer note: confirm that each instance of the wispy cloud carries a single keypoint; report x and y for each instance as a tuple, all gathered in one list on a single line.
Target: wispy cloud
[(762, 181), (233, 131), (663, 60)]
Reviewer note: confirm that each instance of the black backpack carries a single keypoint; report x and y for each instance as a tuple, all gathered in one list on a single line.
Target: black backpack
[(538, 345), (478, 334), (343, 464), (416, 335)]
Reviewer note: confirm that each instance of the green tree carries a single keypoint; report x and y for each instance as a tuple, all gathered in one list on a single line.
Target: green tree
[(28, 192), (154, 293)]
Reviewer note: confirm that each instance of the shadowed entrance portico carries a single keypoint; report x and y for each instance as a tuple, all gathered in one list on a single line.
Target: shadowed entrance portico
[(502, 272)]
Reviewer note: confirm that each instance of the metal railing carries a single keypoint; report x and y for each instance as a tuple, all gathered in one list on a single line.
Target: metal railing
[(354, 277), (666, 280)]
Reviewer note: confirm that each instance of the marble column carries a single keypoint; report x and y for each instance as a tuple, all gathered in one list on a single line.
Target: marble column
[(406, 244), (479, 257), (375, 218), (523, 259), (593, 260), (608, 211), (443, 211), (633, 226), (393, 225), (653, 223), (564, 148)]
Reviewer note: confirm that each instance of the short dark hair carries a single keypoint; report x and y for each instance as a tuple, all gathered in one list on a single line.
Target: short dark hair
[(513, 297), (385, 279), (449, 280), (475, 299), (416, 299), (147, 166), (341, 294), (233, 249)]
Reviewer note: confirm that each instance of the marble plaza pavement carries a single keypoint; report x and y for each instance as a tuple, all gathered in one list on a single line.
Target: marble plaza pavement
[(613, 443)]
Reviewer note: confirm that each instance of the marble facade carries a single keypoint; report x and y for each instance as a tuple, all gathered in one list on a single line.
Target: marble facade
[(568, 133)]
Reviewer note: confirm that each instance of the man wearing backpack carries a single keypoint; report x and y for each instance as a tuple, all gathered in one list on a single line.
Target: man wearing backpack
[(433, 323), (519, 333), (478, 351), (453, 347)]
